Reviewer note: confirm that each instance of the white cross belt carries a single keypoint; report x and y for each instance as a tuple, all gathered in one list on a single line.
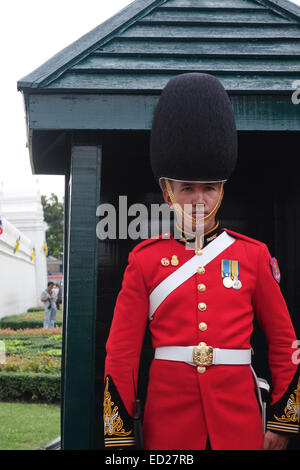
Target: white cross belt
[(188, 269)]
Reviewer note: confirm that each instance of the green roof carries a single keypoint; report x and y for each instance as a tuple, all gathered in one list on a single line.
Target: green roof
[(252, 46)]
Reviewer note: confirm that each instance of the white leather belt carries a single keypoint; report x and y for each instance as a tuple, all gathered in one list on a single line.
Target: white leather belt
[(204, 355)]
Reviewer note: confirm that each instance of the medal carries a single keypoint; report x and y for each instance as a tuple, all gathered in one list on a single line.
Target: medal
[(226, 273), (230, 270), (236, 284), (235, 266), (227, 282)]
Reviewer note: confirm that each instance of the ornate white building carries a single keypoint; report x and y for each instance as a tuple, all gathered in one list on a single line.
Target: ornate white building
[(22, 256)]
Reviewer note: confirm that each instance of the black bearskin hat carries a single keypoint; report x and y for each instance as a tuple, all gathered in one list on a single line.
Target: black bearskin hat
[(193, 135)]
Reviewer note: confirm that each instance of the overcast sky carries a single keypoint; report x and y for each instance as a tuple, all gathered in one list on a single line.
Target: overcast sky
[(31, 32)]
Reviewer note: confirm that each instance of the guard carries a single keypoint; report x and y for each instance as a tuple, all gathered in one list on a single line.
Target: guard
[(199, 291)]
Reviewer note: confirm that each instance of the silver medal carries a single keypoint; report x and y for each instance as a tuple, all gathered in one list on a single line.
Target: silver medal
[(236, 284)]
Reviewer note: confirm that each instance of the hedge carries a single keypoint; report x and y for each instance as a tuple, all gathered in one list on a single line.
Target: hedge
[(16, 322), (29, 387)]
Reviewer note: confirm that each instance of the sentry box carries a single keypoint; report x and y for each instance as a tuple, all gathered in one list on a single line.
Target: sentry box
[(89, 111)]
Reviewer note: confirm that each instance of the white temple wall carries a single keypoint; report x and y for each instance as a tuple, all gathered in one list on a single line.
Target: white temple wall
[(24, 210), (17, 272)]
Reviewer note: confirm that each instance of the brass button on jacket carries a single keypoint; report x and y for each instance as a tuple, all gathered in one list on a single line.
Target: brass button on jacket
[(202, 306), (201, 287), (201, 270), (201, 370), (203, 326)]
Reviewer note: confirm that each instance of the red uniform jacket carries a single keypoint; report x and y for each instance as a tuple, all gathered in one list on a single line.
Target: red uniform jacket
[(185, 407)]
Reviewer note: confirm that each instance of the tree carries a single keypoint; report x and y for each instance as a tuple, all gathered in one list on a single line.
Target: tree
[(54, 217)]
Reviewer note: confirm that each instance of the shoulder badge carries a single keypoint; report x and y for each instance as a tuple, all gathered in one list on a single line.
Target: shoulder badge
[(275, 269)]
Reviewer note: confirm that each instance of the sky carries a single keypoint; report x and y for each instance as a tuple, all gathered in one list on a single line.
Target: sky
[(31, 32)]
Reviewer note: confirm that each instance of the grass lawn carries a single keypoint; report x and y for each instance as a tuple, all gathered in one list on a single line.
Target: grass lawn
[(28, 426)]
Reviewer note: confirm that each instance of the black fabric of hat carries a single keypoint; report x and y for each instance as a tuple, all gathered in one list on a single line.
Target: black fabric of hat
[(193, 135)]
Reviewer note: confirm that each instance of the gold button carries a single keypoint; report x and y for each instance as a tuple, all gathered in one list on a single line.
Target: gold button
[(202, 306), (201, 370), (202, 344), (198, 251), (201, 270), (203, 326), (201, 287)]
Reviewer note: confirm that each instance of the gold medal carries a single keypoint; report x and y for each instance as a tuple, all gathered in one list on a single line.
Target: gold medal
[(227, 282)]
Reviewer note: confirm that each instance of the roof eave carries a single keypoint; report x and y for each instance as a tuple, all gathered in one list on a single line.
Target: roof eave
[(84, 45), (283, 5)]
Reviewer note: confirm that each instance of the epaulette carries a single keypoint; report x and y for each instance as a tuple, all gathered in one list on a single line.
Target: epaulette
[(243, 237), (150, 241)]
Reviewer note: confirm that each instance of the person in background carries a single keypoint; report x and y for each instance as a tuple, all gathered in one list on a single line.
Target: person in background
[(59, 296), (48, 298), (55, 291)]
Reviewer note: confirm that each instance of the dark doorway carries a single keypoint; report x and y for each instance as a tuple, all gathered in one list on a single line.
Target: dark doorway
[(261, 201)]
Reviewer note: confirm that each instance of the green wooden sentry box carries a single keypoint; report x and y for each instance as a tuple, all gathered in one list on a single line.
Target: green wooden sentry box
[(104, 87)]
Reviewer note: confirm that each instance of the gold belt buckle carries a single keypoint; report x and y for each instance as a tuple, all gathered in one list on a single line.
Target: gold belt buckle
[(203, 355)]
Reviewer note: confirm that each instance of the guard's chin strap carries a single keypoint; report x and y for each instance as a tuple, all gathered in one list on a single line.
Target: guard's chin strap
[(184, 215)]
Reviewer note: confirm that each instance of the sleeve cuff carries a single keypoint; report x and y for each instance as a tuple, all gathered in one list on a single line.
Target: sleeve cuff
[(282, 428), (284, 416), (118, 424)]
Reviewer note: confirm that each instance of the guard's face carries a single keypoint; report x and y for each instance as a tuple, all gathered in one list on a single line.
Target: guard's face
[(197, 199)]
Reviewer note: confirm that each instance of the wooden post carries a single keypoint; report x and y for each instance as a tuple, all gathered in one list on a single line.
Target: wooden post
[(64, 303), (78, 407)]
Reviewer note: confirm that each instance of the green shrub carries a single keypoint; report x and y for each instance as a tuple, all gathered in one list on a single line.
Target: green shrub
[(34, 345), (33, 359), (39, 364), (18, 322), (32, 387), (34, 309)]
